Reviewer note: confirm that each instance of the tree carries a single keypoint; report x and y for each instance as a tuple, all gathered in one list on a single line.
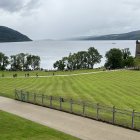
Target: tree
[(25, 62), (59, 65), (3, 61), (126, 53), (128, 60), (18, 61), (82, 59), (79, 60), (71, 61), (93, 57), (35, 62), (137, 62), (13, 62), (114, 58)]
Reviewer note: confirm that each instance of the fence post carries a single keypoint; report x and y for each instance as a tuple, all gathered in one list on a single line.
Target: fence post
[(97, 111), (113, 116), (51, 101), (27, 96), (34, 98), (42, 99), (60, 100), (71, 105), (15, 94), (83, 109), (133, 115), (21, 96)]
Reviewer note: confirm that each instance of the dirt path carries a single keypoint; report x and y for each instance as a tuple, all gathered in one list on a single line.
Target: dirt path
[(83, 128)]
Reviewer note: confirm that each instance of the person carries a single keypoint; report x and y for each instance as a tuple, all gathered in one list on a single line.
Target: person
[(25, 74), (2, 75), (137, 42), (53, 73), (36, 74), (14, 75), (62, 99), (28, 75)]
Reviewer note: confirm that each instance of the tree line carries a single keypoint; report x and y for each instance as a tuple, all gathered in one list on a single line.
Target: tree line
[(115, 58), (19, 62), (79, 60)]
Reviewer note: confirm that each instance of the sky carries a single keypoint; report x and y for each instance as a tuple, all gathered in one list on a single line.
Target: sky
[(58, 19)]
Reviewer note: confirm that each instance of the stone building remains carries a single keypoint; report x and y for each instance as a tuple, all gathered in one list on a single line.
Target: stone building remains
[(137, 49)]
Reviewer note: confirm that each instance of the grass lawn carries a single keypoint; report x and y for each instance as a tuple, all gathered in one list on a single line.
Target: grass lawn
[(15, 128), (119, 88)]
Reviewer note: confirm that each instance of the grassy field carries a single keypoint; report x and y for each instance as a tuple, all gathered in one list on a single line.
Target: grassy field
[(119, 88), (16, 128)]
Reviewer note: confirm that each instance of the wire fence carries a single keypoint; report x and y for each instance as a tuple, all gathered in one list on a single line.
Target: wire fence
[(126, 118)]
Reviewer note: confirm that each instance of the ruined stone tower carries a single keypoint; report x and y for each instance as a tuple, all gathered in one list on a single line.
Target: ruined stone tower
[(137, 49)]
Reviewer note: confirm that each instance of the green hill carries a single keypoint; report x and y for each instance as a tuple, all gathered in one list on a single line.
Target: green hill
[(10, 35), (135, 35)]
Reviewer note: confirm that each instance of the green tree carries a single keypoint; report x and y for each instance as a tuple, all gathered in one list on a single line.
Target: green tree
[(59, 65), (137, 62), (13, 62), (79, 60), (114, 58), (93, 57), (25, 62), (126, 53), (3, 61), (18, 61), (128, 60), (35, 62)]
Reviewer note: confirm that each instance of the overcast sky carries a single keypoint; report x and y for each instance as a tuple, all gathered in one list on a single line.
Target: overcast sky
[(56, 19)]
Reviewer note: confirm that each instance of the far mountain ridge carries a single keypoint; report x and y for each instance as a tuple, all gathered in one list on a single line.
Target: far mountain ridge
[(10, 35), (134, 35)]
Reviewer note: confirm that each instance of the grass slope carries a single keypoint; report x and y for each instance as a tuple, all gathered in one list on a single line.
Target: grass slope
[(16, 128), (120, 88)]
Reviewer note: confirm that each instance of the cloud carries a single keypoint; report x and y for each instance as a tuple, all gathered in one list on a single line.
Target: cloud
[(17, 5), (12, 5), (133, 4), (41, 19)]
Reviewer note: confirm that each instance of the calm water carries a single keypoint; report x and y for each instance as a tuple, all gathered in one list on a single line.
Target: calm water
[(50, 51)]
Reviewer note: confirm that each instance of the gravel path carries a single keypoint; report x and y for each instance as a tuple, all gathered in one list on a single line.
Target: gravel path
[(80, 127)]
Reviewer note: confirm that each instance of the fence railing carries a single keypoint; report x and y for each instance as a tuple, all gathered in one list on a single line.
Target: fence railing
[(133, 68), (126, 118)]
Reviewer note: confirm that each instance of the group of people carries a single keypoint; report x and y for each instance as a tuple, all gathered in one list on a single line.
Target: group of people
[(15, 75), (27, 75)]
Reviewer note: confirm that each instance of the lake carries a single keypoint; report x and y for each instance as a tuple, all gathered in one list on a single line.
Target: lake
[(50, 51)]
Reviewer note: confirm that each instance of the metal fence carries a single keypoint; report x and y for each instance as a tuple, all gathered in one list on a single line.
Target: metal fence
[(126, 118), (134, 68)]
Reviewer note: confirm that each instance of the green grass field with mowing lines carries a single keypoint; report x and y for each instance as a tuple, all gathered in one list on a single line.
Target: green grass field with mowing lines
[(119, 88), (16, 128)]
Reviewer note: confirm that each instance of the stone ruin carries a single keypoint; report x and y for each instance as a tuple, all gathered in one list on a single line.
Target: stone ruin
[(137, 49)]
